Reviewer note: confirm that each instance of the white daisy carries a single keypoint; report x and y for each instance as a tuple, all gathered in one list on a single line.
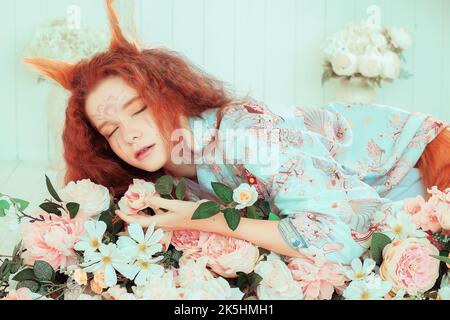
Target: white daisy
[(141, 246), (359, 270), (145, 269), (92, 239), (109, 259), (12, 219), (372, 288), (402, 227)]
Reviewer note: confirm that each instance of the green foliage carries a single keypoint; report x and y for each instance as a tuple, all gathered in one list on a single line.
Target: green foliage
[(222, 191), (253, 213), (164, 185), (52, 190), (22, 204), (73, 209), (30, 284), (379, 241), (273, 217), (180, 191), (248, 282), (206, 210), (43, 271), (52, 208), (4, 205), (232, 217), (443, 259)]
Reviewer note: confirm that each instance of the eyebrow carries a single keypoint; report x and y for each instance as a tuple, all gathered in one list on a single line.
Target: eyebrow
[(126, 105)]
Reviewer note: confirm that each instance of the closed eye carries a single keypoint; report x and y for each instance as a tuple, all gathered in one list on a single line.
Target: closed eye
[(140, 111), (111, 134)]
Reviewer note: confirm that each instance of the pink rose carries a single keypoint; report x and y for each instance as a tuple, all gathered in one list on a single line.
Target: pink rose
[(229, 255), (443, 215), (414, 205), (318, 277), (189, 241), (52, 240), (134, 199), (408, 265)]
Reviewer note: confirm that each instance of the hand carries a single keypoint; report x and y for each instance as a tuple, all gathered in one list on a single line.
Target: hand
[(178, 216)]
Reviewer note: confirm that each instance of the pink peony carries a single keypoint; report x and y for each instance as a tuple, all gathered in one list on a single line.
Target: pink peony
[(134, 199), (229, 255), (408, 265), (414, 205), (52, 240), (318, 277), (189, 241)]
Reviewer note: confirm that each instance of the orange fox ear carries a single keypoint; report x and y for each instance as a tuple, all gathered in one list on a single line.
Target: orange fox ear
[(59, 71), (117, 37)]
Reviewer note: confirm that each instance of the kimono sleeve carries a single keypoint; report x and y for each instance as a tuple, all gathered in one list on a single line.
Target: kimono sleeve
[(305, 182)]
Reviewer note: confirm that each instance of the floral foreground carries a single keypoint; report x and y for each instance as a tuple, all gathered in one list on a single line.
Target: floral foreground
[(75, 248)]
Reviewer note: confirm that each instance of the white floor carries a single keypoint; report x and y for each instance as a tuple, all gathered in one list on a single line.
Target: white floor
[(24, 180)]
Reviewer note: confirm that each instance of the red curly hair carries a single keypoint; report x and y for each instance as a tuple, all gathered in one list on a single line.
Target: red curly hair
[(164, 79), (171, 86)]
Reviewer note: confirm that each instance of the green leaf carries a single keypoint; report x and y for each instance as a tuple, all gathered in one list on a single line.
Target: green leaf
[(180, 191), (206, 210), (73, 209), (4, 205), (106, 217), (164, 185), (17, 248), (21, 203), (274, 217), (233, 217), (252, 213), (254, 279), (224, 192), (242, 281), (5, 270), (443, 259), (43, 271), (52, 190), (379, 241), (25, 274), (52, 208), (30, 284)]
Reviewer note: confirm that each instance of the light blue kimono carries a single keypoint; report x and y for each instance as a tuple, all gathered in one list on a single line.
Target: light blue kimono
[(330, 173)]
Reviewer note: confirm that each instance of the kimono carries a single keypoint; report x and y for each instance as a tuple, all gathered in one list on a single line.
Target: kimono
[(325, 171)]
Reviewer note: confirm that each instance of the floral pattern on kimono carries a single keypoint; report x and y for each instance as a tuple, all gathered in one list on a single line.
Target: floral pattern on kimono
[(327, 169)]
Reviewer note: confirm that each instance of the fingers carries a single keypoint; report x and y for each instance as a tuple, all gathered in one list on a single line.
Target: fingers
[(171, 205)]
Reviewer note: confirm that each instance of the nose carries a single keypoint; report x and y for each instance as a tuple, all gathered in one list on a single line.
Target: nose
[(131, 135)]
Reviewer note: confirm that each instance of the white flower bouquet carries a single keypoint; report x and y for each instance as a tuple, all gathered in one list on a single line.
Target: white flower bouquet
[(366, 52), (75, 248), (58, 39)]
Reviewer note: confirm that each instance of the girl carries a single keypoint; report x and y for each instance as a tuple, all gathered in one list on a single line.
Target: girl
[(329, 178)]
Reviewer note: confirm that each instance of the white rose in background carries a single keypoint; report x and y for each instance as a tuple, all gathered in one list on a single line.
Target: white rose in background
[(400, 38), (391, 65), (370, 65), (93, 198), (245, 195), (344, 63), (213, 289), (277, 282), (134, 199)]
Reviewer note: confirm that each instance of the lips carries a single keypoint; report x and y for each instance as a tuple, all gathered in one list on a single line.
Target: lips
[(142, 152)]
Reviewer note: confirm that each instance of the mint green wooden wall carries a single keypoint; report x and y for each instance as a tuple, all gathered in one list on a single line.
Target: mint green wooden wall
[(271, 48)]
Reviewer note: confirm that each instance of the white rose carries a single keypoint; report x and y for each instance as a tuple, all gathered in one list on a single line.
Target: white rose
[(378, 40), (214, 289), (245, 195), (370, 65), (191, 271), (134, 199), (158, 288), (277, 282), (344, 63), (93, 198), (391, 65), (400, 38)]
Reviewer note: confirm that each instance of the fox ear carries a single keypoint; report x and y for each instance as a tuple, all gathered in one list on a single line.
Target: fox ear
[(59, 71), (118, 39)]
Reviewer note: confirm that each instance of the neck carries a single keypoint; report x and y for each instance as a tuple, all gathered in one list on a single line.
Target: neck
[(184, 170)]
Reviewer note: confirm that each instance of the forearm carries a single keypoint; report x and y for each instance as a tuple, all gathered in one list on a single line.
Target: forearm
[(262, 233)]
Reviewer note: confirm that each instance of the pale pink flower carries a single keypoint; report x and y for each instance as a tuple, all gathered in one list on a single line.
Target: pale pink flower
[(427, 218), (52, 240), (189, 241), (229, 255), (318, 276), (414, 205), (443, 215), (407, 264), (134, 199)]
